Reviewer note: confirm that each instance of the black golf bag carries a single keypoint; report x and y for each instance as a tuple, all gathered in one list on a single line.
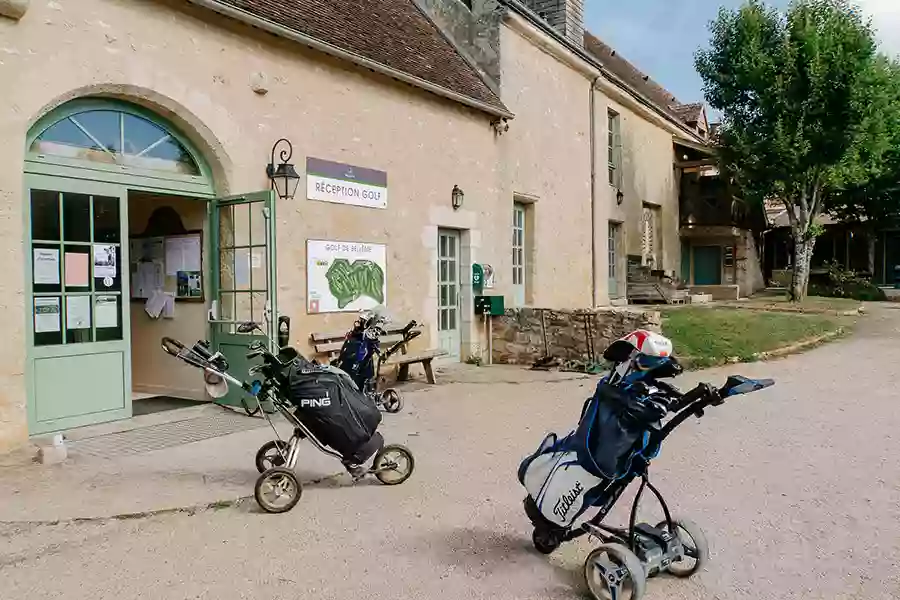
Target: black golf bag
[(335, 411), (357, 358)]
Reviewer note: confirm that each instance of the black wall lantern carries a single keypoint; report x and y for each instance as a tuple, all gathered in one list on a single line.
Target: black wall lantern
[(619, 197), (284, 176), (457, 196)]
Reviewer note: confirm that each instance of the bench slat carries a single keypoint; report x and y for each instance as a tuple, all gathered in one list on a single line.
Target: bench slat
[(331, 336), (326, 347), (414, 358)]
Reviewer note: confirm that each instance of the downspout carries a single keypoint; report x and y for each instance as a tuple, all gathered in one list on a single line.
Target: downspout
[(593, 143)]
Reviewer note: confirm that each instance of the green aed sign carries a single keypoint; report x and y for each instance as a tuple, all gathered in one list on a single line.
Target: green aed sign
[(477, 277)]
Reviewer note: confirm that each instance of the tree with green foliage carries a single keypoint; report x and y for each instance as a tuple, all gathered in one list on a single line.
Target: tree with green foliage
[(873, 200), (804, 97)]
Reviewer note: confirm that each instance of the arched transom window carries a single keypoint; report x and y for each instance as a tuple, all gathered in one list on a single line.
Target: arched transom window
[(115, 137)]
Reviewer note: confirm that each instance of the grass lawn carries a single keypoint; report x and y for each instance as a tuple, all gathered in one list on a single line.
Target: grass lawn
[(712, 336)]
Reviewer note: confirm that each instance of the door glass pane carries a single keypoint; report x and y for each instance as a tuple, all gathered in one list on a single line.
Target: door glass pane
[(242, 269), (226, 306), (241, 216), (451, 247), (45, 266), (259, 271), (443, 270), (258, 222), (451, 271), (77, 217), (226, 226), (47, 311), (451, 318), (78, 319), (107, 274), (108, 317), (106, 220), (258, 308), (243, 310), (44, 215), (226, 269), (443, 246), (77, 267)]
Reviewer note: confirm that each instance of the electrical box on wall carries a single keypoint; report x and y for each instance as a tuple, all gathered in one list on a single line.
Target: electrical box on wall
[(489, 305)]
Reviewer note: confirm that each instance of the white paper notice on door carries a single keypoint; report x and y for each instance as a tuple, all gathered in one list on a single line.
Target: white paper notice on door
[(106, 311), (182, 254), (46, 315), (78, 312), (104, 261), (46, 266)]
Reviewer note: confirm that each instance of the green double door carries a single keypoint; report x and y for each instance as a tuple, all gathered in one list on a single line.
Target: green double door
[(77, 290)]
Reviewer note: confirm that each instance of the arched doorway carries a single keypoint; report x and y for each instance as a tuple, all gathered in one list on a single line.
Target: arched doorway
[(94, 264)]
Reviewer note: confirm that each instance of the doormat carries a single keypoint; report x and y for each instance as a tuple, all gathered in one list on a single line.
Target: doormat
[(147, 406), (216, 422)]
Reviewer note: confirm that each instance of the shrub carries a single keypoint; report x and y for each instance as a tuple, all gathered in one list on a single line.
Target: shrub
[(844, 283)]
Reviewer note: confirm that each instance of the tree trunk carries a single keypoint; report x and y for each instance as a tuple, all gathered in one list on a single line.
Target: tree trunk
[(803, 251), (870, 238)]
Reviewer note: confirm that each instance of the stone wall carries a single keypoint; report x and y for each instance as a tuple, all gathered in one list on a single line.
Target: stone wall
[(524, 335)]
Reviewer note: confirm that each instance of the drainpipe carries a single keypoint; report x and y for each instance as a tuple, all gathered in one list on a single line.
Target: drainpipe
[(593, 196)]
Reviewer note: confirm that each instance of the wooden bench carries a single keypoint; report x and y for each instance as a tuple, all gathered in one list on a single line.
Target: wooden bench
[(329, 344)]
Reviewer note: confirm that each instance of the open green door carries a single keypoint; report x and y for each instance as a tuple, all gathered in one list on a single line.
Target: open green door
[(243, 277)]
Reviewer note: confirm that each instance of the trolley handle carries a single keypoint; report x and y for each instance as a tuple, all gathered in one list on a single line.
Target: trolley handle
[(172, 347)]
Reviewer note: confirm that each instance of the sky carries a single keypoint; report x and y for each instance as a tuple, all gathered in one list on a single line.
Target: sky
[(660, 37)]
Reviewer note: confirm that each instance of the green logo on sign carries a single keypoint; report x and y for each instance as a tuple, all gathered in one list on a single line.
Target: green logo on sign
[(347, 282)]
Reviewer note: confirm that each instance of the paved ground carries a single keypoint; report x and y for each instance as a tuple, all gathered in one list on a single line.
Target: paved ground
[(798, 488)]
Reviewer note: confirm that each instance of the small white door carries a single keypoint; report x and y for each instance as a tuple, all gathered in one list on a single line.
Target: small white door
[(518, 254), (448, 291)]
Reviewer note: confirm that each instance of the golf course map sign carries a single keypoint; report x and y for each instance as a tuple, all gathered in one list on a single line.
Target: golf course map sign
[(345, 276)]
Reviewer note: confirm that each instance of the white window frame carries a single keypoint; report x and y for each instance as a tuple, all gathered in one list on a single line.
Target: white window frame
[(614, 147), (519, 256)]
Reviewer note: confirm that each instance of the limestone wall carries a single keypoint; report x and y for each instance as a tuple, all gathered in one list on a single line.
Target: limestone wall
[(523, 335)]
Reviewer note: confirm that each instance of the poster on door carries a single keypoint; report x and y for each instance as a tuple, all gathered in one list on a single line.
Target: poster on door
[(345, 276)]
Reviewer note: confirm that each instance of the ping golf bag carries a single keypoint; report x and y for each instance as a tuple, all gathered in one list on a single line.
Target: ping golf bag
[(335, 411)]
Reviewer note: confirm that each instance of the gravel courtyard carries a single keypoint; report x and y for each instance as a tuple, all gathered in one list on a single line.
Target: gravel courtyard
[(797, 487)]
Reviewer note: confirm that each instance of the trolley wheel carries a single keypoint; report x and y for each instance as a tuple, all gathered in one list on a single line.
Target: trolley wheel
[(391, 400), (393, 465), (278, 490), (545, 541), (696, 548), (271, 454), (613, 572)]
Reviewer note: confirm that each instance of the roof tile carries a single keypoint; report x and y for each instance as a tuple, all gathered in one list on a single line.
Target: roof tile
[(637, 80), (394, 33)]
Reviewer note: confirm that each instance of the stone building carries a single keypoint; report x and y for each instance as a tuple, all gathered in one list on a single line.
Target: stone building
[(137, 203)]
